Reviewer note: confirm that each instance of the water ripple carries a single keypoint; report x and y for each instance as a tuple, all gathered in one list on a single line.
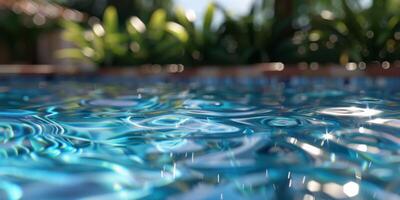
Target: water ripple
[(194, 138)]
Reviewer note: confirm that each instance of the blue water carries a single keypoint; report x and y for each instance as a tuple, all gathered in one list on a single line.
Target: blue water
[(199, 138)]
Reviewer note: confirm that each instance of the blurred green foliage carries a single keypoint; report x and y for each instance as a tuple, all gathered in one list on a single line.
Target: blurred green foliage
[(106, 44), (350, 33), (324, 31), (135, 32), (173, 37)]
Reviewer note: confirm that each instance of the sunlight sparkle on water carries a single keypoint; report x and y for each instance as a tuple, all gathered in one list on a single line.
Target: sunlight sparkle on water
[(351, 189), (350, 112), (206, 138)]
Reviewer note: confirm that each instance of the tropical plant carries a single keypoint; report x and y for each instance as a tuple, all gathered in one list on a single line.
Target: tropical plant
[(175, 38), (255, 37), (102, 43), (206, 43), (259, 36), (325, 32), (106, 44), (352, 34), (160, 41)]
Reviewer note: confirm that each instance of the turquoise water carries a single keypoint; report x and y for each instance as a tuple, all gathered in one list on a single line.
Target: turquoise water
[(199, 138)]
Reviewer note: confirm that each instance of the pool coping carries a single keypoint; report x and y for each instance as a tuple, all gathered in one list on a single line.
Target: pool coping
[(273, 69)]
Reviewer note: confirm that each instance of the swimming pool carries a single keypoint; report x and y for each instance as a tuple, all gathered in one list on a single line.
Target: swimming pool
[(199, 138)]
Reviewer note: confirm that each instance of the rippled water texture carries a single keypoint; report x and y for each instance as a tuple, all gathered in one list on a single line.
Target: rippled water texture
[(199, 138)]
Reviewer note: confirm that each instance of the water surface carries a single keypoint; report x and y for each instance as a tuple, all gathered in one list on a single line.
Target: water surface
[(199, 138)]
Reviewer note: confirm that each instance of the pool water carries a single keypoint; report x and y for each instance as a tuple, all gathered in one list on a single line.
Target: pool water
[(199, 138)]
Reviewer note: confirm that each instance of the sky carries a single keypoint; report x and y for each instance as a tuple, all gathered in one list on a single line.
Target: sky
[(236, 6), (239, 7)]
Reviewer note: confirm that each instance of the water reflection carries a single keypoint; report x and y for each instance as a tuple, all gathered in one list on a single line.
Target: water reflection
[(350, 112), (351, 189), (193, 138), (393, 123)]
